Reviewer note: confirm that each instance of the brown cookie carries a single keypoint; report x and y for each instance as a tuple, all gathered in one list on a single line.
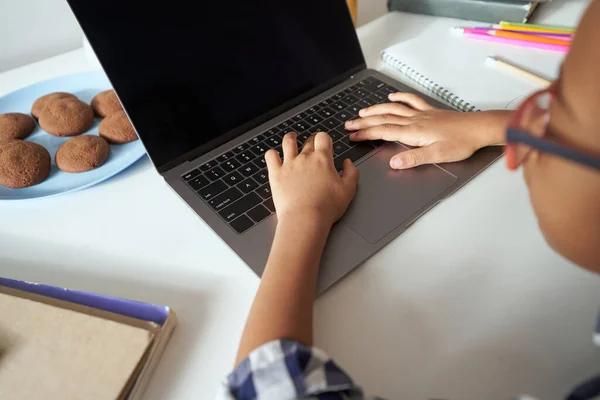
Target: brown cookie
[(15, 126), (117, 129), (42, 103), (67, 117), (82, 153), (23, 164), (106, 103)]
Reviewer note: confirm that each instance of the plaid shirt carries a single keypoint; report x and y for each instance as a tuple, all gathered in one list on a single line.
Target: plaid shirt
[(288, 370)]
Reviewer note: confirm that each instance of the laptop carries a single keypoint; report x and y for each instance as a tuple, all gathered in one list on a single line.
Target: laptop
[(210, 88)]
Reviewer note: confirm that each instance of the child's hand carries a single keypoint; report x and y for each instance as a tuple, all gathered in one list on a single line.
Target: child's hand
[(307, 184), (440, 135)]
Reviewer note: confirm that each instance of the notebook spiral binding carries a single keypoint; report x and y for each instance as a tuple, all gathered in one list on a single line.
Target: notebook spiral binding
[(428, 84)]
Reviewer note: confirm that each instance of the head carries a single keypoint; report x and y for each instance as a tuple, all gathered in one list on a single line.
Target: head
[(565, 195)]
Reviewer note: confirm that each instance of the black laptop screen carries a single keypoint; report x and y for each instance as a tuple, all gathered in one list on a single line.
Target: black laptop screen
[(188, 72)]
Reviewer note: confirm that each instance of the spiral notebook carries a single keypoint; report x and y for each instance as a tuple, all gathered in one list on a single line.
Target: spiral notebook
[(451, 67)]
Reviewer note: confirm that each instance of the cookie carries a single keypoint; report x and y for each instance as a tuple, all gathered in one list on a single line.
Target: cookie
[(67, 117), (15, 126), (23, 164), (42, 103), (106, 103), (117, 129), (82, 153)]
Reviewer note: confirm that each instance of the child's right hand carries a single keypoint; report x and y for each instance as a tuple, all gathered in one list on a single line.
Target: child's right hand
[(307, 185), (439, 135)]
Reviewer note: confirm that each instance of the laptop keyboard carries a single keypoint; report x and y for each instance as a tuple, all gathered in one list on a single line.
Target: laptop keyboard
[(236, 183)]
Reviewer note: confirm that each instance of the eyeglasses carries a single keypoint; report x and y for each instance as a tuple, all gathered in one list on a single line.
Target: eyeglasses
[(529, 128)]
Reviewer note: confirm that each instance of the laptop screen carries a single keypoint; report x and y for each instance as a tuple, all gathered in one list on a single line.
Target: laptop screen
[(193, 74)]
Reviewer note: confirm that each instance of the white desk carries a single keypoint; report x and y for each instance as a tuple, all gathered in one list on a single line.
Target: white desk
[(469, 303)]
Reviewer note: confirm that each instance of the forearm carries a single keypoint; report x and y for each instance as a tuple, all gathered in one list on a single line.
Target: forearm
[(283, 306)]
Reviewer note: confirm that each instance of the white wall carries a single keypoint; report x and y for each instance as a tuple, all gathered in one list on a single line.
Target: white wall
[(32, 30), (368, 10)]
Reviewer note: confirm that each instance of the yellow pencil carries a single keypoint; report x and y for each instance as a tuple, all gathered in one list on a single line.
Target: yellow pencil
[(515, 26)]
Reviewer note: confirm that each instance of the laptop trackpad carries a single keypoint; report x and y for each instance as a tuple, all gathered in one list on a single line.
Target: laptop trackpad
[(386, 198)]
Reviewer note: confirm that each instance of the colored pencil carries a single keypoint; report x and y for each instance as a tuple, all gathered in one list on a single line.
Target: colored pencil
[(516, 42), (563, 36), (516, 26), (503, 65), (528, 38)]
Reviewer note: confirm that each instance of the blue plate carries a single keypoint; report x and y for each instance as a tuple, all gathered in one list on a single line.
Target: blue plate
[(85, 86)]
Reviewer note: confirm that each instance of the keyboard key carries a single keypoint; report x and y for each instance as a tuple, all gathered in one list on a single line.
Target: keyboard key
[(344, 116), (271, 132), (347, 91), (225, 157), (325, 103), (233, 178), (231, 165), (259, 213), (256, 140), (240, 207), (264, 191), (192, 174), (338, 106), (198, 182), (273, 142), (303, 136), (326, 113), (375, 86), (245, 157), (369, 101), (353, 111), (349, 100), (381, 97), (387, 89), (225, 199), (301, 126), (313, 109), (361, 93), (339, 148), (363, 104), (337, 96), (249, 169), (241, 224), (209, 165), (215, 173), (300, 116), (368, 80), (241, 148), (248, 185), (332, 123), (285, 125), (279, 151), (260, 162), (335, 135), (260, 149), (212, 190), (317, 128), (314, 119), (270, 205), (261, 177)]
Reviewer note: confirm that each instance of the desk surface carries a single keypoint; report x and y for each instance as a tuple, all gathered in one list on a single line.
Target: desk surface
[(469, 303)]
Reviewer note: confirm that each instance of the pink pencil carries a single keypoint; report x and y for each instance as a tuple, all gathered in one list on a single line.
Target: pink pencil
[(515, 42), (476, 30)]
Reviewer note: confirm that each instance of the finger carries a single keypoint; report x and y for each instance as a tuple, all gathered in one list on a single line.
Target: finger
[(273, 160), (412, 100), (408, 134), (309, 145), (368, 122), (388, 108), (349, 177), (290, 146), (323, 142), (434, 153)]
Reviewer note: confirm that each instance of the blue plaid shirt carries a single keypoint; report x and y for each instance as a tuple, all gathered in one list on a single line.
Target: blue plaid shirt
[(288, 370)]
